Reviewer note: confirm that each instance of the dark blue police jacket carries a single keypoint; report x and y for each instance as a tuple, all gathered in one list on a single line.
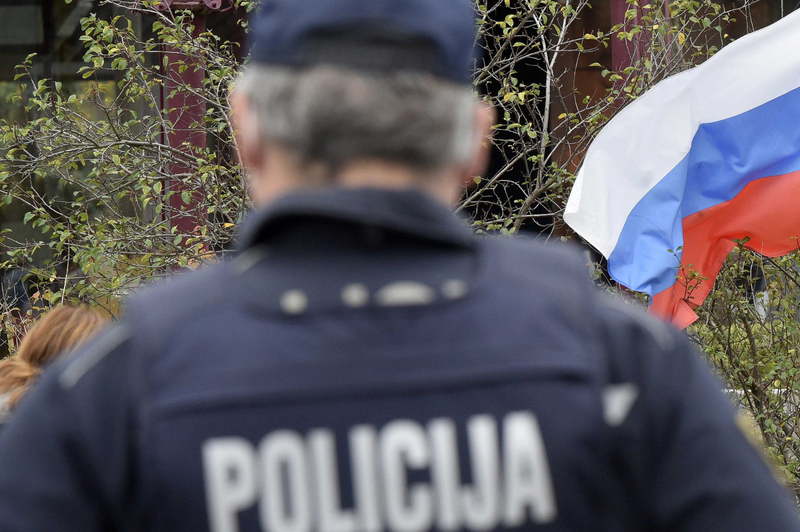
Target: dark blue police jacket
[(365, 364)]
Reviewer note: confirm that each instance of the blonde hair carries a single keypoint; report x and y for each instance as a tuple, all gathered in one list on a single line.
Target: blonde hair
[(59, 331)]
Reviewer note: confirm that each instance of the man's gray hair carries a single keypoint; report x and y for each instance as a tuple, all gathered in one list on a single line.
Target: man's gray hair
[(330, 116)]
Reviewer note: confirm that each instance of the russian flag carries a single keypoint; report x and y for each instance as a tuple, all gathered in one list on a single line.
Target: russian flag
[(706, 157)]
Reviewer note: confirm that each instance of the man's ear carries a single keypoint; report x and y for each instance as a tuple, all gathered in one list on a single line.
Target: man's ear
[(484, 119), (247, 131)]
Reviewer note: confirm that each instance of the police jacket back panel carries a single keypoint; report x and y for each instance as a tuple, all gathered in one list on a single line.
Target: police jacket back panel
[(399, 410)]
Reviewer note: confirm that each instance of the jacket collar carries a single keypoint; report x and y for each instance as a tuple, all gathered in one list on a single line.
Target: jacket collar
[(408, 211)]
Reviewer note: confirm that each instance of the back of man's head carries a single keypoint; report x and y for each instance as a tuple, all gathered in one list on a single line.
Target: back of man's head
[(332, 83)]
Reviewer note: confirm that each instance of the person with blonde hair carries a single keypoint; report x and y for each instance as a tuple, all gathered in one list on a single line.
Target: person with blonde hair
[(57, 332)]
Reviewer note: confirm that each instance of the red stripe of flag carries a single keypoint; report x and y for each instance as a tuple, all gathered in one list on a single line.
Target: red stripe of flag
[(766, 210)]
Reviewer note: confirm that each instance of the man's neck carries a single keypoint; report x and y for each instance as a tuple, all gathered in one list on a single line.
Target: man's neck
[(366, 173), (441, 185), (375, 174)]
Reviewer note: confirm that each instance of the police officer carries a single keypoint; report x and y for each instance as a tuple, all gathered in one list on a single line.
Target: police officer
[(365, 364)]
